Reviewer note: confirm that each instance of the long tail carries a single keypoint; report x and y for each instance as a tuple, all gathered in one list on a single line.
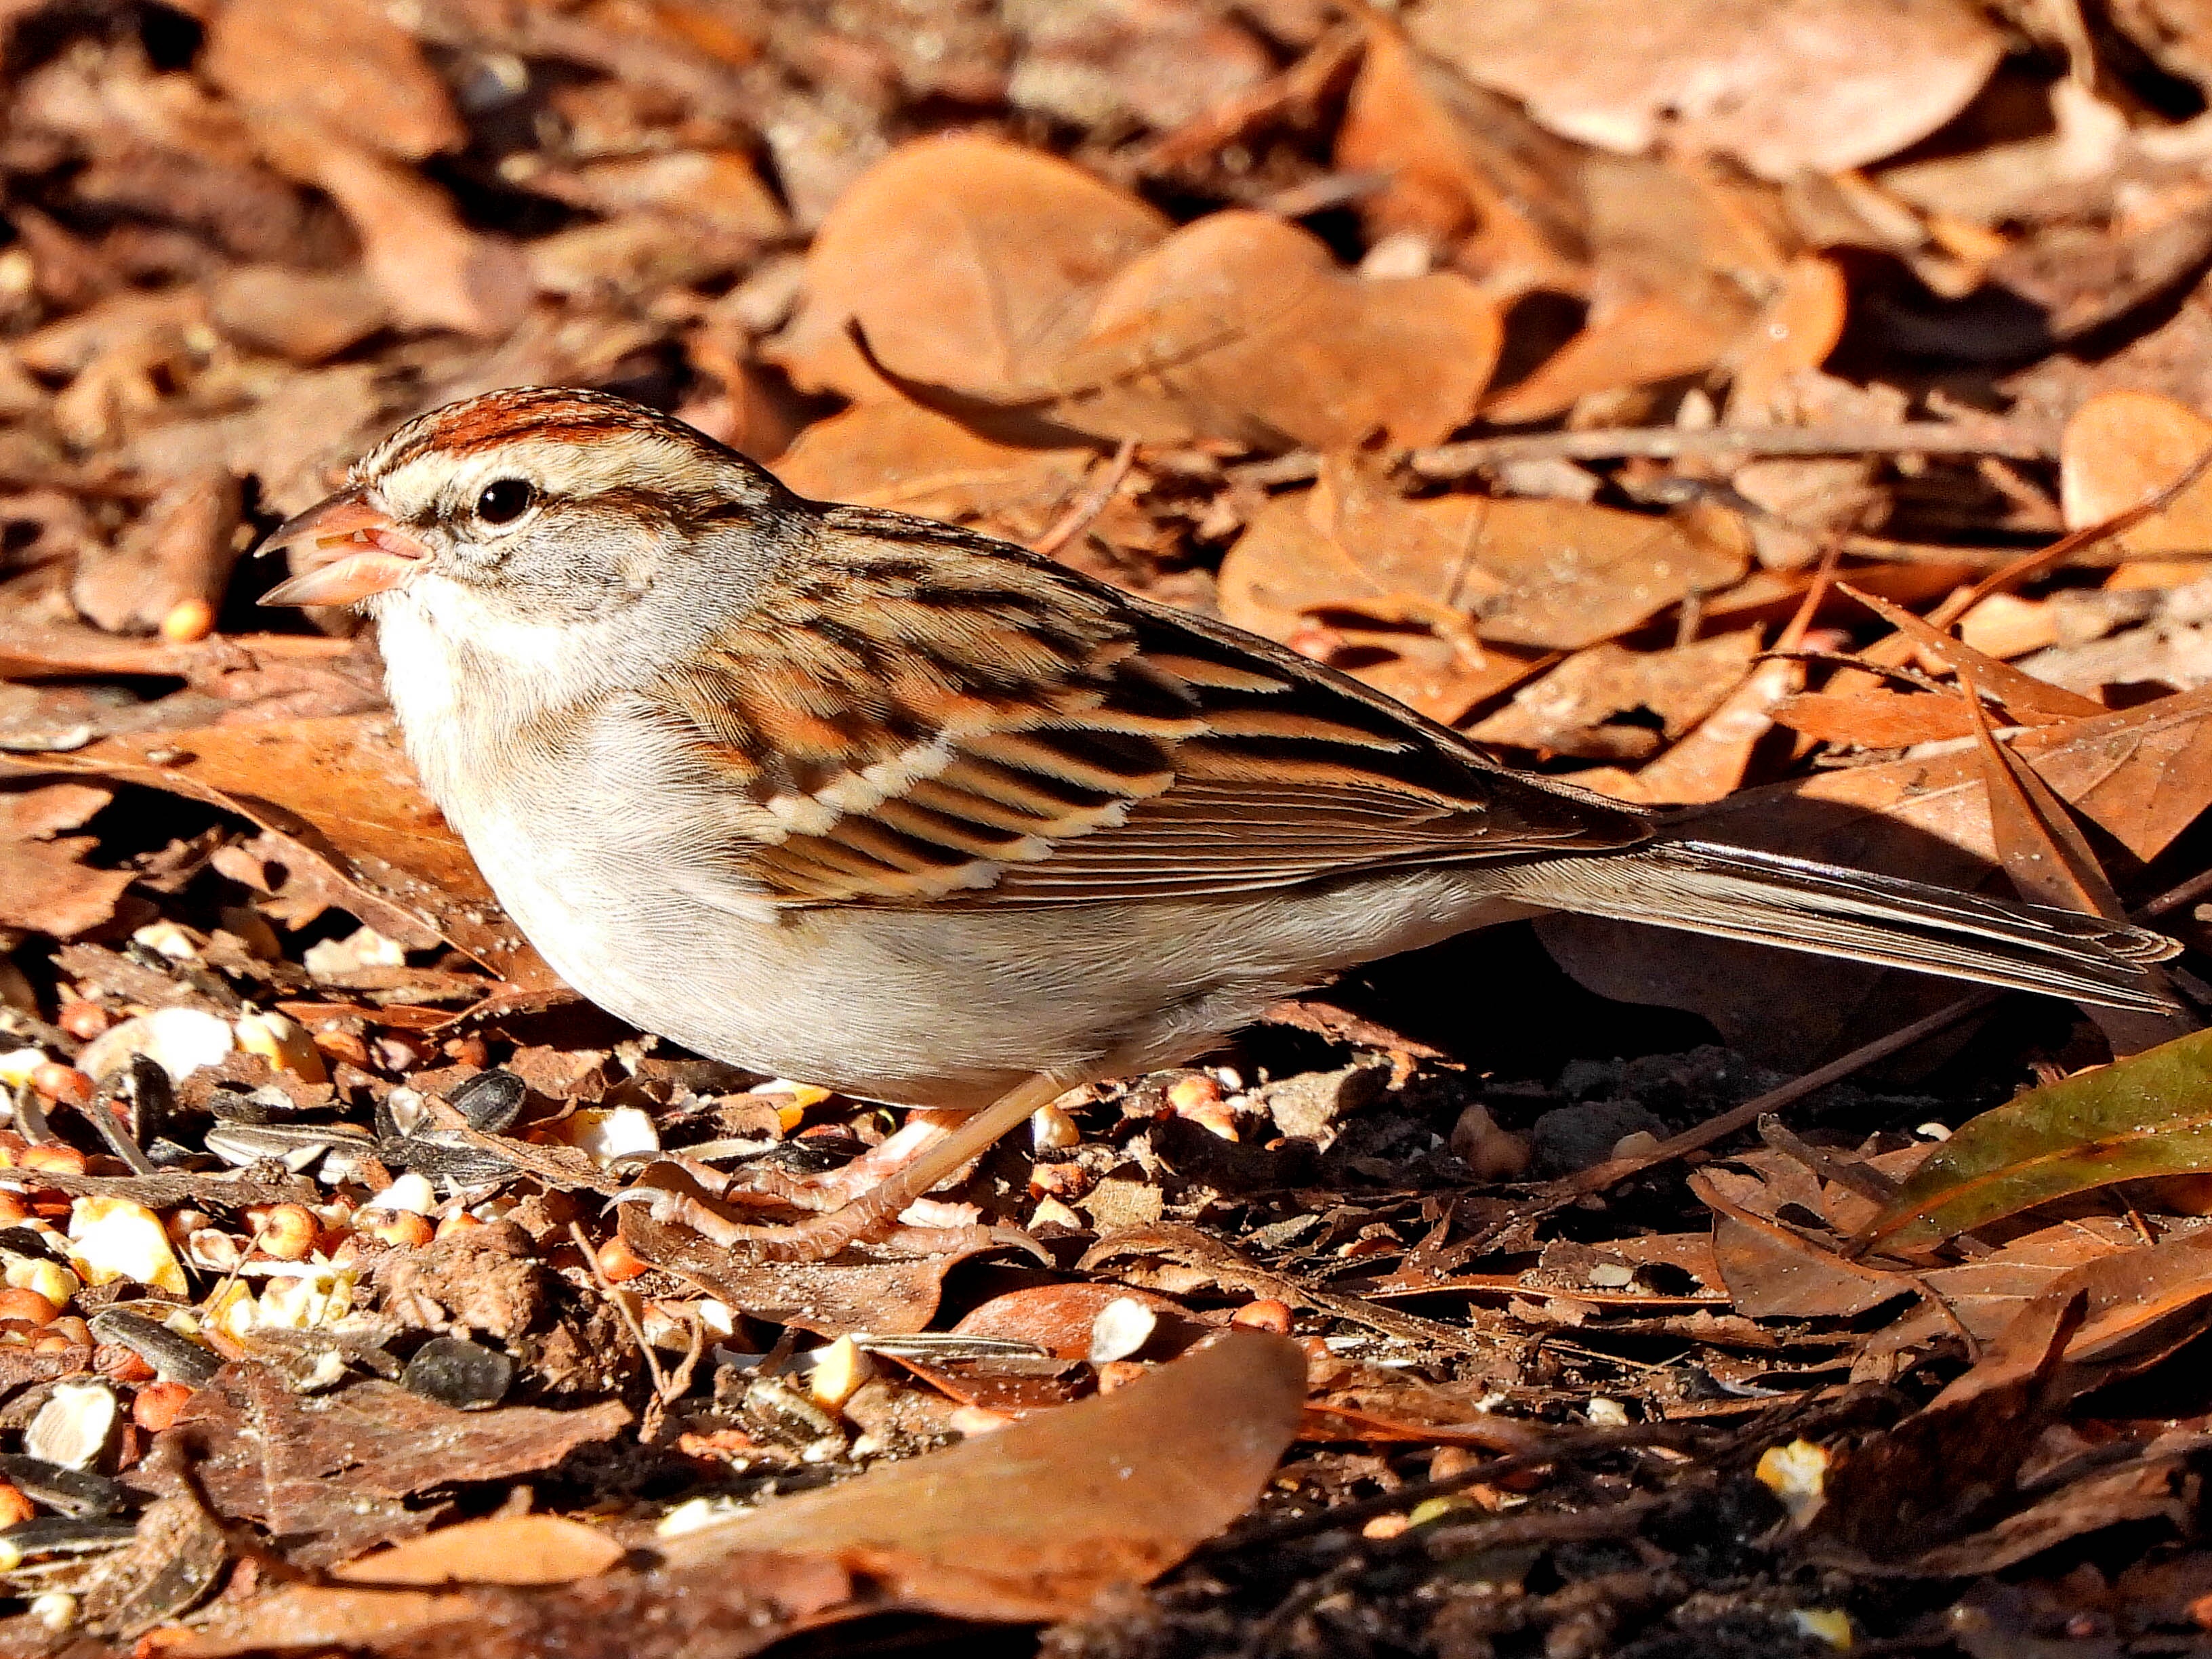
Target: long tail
[(1770, 899)]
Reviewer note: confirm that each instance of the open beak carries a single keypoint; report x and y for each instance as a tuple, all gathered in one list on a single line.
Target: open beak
[(346, 551)]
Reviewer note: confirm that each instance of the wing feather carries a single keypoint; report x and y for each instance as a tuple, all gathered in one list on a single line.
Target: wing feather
[(989, 728)]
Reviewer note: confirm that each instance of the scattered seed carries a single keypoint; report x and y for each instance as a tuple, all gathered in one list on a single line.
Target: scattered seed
[(74, 1424), (1121, 1327)]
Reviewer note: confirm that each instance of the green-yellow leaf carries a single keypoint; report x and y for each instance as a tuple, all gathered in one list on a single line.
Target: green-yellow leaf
[(2148, 1116)]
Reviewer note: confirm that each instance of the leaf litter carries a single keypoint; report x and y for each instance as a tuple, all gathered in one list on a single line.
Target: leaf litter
[(1788, 418)]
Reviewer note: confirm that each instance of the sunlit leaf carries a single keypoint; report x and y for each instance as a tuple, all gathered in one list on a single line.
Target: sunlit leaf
[(2149, 1115)]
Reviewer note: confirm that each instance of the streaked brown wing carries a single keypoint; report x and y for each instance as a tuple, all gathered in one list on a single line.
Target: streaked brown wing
[(1060, 742)]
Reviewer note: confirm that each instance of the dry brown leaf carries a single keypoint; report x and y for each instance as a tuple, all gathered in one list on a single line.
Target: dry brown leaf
[(45, 885), (1642, 343), (1033, 1521), (2033, 701), (1466, 170), (720, 189), (969, 262), (889, 1293), (340, 790), (1784, 86), (1799, 327), (1575, 574), (1390, 607), (511, 1549), (1876, 719), (1774, 1272), (327, 1475), (901, 455), (1710, 763), (1029, 1524), (433, 270), (2120, 448), (343, 62), (1574, 709), (1059, 1318), (1241, 327), (180, 551)]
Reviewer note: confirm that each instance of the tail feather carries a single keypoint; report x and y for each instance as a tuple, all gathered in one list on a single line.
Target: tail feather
[(1772, 899)]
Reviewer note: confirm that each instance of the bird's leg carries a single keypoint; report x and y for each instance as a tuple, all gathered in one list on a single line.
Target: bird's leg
[(873, 1217), (832, 1189)]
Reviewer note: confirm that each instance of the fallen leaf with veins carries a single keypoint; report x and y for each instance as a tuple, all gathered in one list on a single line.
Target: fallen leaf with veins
[(2144, 1116), (968, 262), (1784, 86)]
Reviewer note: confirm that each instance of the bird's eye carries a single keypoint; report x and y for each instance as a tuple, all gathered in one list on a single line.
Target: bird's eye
[(504, 501)]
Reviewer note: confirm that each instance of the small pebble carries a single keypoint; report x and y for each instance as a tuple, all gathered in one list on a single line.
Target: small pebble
[(456, 1372), (14, 1506)]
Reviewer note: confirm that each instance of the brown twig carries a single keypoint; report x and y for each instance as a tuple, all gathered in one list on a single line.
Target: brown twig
[(1088, 505), (628, 1319), (1666, 443)]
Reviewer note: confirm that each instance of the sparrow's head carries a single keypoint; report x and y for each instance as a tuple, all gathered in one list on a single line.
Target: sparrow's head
[(537, 506)]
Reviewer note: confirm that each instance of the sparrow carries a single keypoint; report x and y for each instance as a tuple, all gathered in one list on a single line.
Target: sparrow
[(843, 794)]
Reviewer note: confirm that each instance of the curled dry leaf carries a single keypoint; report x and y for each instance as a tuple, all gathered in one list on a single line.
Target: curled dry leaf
[(341, 790), (1650, 339), (1465, 170), (888, 1294), (1774, 1270), (1061, 1318), (901, 455), (2148, 1116), (512, 1549), (968, 262), (46, 887), (180, 552), (1784, 86), (1033, 1521)]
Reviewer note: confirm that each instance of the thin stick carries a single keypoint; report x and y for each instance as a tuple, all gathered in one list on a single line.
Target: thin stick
[(1667, 443), (1090, 504), (622, 1311), (1602, 1175)]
